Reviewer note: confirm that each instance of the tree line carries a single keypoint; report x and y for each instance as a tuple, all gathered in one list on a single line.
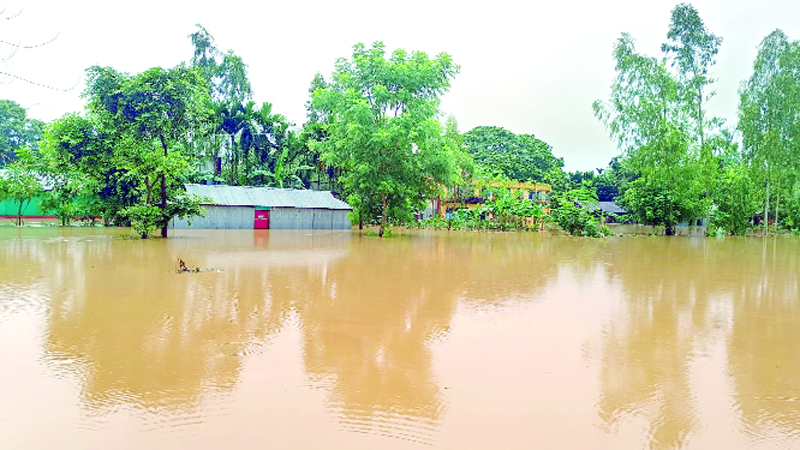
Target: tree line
[(375, 136), (680, 164)]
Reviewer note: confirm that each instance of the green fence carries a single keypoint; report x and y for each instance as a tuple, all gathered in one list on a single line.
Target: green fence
[(10, 208)]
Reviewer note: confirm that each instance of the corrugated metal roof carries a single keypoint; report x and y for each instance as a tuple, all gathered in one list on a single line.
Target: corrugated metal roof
[(264, 196), (611, 207), (607, 207)]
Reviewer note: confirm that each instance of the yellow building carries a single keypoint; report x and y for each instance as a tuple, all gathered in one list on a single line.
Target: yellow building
[(460, 197)]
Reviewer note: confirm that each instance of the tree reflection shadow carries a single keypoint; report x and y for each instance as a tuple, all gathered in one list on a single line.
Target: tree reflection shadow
[(140, 335), (669, 287)]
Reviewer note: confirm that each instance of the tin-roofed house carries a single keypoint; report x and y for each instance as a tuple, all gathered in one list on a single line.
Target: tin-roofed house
[(244, 207)]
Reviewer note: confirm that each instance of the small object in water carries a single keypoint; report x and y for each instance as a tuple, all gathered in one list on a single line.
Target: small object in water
[(183, 268)]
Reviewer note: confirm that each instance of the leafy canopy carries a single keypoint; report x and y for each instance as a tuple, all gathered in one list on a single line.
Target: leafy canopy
[(499, 152), (382, 128)]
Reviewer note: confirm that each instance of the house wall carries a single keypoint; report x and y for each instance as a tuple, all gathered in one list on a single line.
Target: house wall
[(308, 219), (220, 218), (280, 218)]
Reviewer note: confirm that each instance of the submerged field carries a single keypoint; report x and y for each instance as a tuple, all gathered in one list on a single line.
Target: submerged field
[(459, 340)]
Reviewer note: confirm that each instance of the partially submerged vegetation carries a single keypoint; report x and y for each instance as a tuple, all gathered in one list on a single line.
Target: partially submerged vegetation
[(375, 137)]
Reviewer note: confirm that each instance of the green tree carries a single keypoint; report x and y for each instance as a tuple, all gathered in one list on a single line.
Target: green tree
[(656, 114), (768, 114), (16, 131), (383, 131), (74, 160), (223, 145), (79, 161), (652, 201), (149, 118), (523, 157), (692, 49), (736, 200), (19, 183), (574, 211)]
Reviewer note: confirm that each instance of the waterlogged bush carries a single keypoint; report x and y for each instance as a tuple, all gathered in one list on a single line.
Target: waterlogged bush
[(144, 218), (573, 213)]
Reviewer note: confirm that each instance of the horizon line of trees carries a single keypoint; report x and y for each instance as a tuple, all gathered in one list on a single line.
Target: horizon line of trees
[(375, 136)]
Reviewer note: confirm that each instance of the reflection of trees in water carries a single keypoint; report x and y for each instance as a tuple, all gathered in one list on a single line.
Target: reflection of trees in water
[(668, 287), (764, 347), (149, 337), (493, 268), (25, 255), (644, 369), (371, 328), (369, 309)]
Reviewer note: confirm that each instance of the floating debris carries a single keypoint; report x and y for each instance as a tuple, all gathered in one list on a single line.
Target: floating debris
[(183, 268)]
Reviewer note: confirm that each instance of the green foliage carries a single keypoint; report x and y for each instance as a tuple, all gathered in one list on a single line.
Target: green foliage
[(736, 201), (503, 210), (19, 184), (147, 120), (574, 212), (16, 131), (382, 131), (523, 157), (144, 218), (671, 149), (655, 203), (509, 211), (768, 116)]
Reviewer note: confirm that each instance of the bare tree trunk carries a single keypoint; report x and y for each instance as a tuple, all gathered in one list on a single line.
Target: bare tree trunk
[(766, 210), (164, 193), (383, 215), (777, 205), (19, 212)]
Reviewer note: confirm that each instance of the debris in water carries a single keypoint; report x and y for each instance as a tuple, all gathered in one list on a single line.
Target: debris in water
[(183, 268)]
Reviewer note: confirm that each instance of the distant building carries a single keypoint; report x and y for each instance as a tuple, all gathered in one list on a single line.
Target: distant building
[(470, 197), (611, 212), (245, 207)]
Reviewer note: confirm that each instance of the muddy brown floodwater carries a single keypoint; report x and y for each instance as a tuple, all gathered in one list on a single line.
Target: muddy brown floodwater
[(329, 340)]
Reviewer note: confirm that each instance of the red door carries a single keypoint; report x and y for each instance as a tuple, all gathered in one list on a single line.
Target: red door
[(262, 220)]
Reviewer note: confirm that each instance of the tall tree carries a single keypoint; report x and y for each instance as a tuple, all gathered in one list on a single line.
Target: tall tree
[(384, 132), (230, 92), (150, 117), (769, 116), (692, 49), (656, 113)]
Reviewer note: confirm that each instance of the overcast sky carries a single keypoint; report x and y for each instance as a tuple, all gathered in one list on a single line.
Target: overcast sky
[(531, 67)]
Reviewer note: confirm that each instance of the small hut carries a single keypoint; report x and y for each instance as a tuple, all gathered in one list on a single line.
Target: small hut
[(245, 207)]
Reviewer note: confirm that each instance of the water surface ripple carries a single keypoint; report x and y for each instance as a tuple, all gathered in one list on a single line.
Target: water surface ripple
[(300, 339)]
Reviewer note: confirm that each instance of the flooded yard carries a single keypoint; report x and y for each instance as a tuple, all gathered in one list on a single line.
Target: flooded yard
[(460, 340)]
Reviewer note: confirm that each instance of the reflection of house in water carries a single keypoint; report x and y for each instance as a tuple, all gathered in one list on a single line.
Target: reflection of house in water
[(141, 334), (367, 311)]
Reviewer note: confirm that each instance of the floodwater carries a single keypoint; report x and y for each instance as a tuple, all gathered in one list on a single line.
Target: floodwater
[(460, 340)]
